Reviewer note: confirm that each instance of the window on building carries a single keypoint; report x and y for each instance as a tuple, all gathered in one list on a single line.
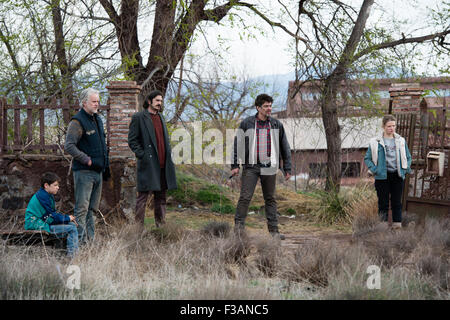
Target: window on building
[(348, 170), (351, 169), (317, 170)]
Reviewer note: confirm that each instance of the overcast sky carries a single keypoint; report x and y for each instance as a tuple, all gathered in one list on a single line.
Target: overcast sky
[(268, 54)]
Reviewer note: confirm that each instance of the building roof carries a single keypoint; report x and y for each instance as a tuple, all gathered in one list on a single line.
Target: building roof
[(309, 133)]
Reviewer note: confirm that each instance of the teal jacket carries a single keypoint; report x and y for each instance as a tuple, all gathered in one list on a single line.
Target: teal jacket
[(41, 212), (33, 216), (376, 162)]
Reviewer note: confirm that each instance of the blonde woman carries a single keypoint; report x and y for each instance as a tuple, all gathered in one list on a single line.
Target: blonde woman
[(389, 160)]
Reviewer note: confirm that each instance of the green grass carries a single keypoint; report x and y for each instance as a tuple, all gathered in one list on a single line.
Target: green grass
[(223, 208), (195, 191), (291, 211), (192, 190), (209, 195)]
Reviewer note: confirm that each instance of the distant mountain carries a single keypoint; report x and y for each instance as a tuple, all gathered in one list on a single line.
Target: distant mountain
[(277, 86)]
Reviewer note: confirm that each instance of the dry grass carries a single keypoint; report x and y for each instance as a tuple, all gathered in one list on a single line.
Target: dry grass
[(363, 210), (217, 229), (175, 263), (315, 262)]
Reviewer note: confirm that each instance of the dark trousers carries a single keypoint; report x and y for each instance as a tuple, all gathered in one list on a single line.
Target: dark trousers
[(390, 189), (159, 201), (249, 179)]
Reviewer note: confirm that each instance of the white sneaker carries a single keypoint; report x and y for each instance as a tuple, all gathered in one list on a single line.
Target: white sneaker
[(396, 225)]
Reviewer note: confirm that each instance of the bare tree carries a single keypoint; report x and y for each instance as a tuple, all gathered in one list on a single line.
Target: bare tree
[(49, 53), (341, 47), (174, 23)]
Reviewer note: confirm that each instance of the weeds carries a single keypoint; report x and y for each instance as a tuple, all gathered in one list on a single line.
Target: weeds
[(314, 262), (223, 208), (174, 263), (331, 209), (169, 232), (192, 190), (217, 229), (269, 256)]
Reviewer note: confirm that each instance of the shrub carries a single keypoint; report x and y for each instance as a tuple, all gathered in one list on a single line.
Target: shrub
[(236, 248), (169, 232), (435, 267), (210, 196), (315, 262), (184, 193), (291, 211), (223, 208), (437, 233), (268, 255), (363, 211), (332, 208), (216, 229)]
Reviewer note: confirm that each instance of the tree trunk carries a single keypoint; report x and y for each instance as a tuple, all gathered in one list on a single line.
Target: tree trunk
[(332, 134), (170, 40), (66, 90), (329, 100), (127, 35)]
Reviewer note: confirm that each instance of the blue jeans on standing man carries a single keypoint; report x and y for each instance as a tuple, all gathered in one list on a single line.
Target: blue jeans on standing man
[(88, 190), (70, 231)]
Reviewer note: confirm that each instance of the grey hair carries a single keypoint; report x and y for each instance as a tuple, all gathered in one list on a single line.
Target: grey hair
[(84, 95)]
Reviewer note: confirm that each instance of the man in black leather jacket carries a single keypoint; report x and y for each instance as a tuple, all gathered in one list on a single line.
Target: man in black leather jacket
[(260, 145)]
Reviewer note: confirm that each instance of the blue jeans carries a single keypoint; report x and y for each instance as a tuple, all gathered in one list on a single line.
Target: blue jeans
[(88, 191), (70, 231)]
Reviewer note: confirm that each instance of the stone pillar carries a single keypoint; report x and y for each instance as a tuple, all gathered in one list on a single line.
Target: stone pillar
[(406, 97), (124, 102), (120, 191)]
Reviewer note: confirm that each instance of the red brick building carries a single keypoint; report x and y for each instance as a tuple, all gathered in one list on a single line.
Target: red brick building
[(359, 117)]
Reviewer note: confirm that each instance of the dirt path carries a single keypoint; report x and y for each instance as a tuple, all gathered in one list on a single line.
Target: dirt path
[(293, 241), (298, 230)]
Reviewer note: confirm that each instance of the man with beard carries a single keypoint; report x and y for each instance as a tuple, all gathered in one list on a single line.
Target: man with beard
[(149, 140)]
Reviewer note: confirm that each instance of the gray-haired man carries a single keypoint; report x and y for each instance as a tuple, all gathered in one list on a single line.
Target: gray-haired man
[(85, 142)]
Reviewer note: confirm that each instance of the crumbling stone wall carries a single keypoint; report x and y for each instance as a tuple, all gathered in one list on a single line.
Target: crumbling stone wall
[(20, 179), (20, 173)]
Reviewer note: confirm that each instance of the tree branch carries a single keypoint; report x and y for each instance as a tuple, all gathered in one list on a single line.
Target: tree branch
[(13, 57), (270, 22), (391, 44), (109, 8)]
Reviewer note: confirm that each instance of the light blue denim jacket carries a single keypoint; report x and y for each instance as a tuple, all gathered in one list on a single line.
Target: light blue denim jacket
[(380, 170)]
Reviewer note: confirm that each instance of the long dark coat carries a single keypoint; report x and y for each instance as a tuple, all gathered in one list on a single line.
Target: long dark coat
[(142, 141)]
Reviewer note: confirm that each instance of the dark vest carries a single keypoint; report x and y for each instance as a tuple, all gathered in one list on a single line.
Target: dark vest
[(92, 142)]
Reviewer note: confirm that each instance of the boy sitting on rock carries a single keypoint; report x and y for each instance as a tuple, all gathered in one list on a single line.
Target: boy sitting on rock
[(41, 214)]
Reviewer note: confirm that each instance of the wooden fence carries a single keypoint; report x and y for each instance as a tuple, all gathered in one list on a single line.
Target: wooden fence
[(425, 191), (19, 123)]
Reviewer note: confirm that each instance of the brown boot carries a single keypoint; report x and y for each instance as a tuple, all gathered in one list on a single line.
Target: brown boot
[(276, 234)]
